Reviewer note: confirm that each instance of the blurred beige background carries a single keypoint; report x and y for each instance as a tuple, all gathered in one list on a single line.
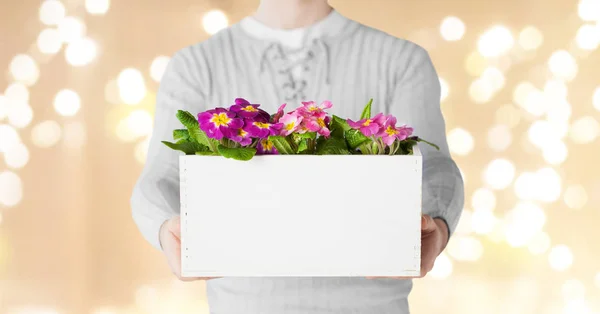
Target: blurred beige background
[(522, 104)]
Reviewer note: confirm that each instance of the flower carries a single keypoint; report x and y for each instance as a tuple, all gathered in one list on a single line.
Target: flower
[(219, 122), (266, 147), (317, 123), (279, 113), (290, 123), (389, 132), (367, 127), (244, 109), (261, 129), (242, 135), (310, 108)]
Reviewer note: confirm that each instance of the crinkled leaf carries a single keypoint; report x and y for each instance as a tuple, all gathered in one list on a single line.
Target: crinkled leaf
[(366, 114), (308, 135), (240, 153), (201, 137), (180, 134), (338, 126), (303, 145), (331, 146), (187, 119), (282, 145), (355, 138), (190, 148)]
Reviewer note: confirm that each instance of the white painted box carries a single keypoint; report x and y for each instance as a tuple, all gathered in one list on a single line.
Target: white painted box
[(301, 215)]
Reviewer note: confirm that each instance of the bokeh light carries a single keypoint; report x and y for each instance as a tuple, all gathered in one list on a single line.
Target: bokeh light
[(499, 173), (71, 29), (97, 7), (545, 185), (535, 103), (460, 141), (597, 280), (17, 156), (508, 115), (539, 244), (483, 221), (452, 28), (588, 37), (555, 152), (495, 42), (140, 122), (141, 150), (483, 199), (575, 196), (475, 63), (560, 257), (444, 89), (67, 103), (442, 267), (24, 69), (523, 223), (158, 67), (49, 41), (3, 107), (596, 99), (563, 65), (214, 21), (11, 189), (465, 248), (81, 52), (589, 10), (573, 289), (494, 77), (499, 137), (584, 130), (46, 134), (132, 88), (20, 115), (481, 91), (10, 137), (52, 12), (17, 93), (530, 38), (464, 226)]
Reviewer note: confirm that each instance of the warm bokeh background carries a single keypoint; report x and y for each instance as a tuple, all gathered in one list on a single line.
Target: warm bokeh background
[(522, 104)]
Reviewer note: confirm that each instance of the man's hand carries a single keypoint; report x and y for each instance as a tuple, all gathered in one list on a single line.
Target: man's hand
[(434, 237), (170, 240)]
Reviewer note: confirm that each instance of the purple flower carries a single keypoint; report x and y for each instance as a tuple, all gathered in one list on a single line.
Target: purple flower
[(259, 129), (367, 127), (219, 122), (266, 147), (242, 135), (245, 111)]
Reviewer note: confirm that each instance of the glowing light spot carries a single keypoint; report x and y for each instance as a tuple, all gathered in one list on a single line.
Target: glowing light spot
[(445, 89), (24, 69), (67, 103), (11, 189), (494, 77), (597, 280), (97, 7), (563, 65), (584, 130), (17, 156), (495, 42), (556, 89), (3, 107), (543, 185), (71, 29), (49, 41), (508, 115), (481, 91), (17, 93), (539, 244), (575, 197), (588, 37), (140, 123), (530, 38), (596, 99), (464, 224), (10, 138), (573, 289), (465, 248), (523, 223), (158, 67), (214, 21), (560, 258), (577, 306), (452, 28), (20, 116), (499, 138), (483, 221), (542, 134), (46, 134), (589, 10), (141, 150), (499, 174), (483, 199), (442, 267), (81, 52), (132, 88), (536, 103), (475, 64), (555, 152), (52, 12), (460, 141), (522, 91)]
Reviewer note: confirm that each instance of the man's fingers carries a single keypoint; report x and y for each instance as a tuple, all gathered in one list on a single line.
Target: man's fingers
[(174, 227), (427, 224)]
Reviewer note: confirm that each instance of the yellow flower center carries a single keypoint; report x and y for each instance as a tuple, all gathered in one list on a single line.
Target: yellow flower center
[(313, 108), (220, 119), (262, 125), (367, 122), (242, 133), (267, 145), (391, 131), (290, 126), (321, 122), (249, 109)]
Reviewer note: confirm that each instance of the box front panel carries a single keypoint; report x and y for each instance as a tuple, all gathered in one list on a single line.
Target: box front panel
[(301, 216)]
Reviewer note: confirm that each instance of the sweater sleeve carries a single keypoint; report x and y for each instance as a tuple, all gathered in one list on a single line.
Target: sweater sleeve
[(155, 197), (416, 102)]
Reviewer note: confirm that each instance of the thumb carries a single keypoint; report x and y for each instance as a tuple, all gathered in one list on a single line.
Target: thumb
[(427, 224), (174, 226)]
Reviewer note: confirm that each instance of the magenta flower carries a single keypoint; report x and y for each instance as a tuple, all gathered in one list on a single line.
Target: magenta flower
[(279, 113), (290, 123), (242, 135), (389, 132), (261, 129), (367, 127), (310, 107), (317, 123), (219, 122), (244, 109), (266, 147)]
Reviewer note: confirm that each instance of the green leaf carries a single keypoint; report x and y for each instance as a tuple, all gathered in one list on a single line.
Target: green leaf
[(282, 145), (366, 114), (180, 134), (355, 138), (207, 153), (338, 126), (187, 119), (190, 148), (406, 147), (426, 142), (331, 146), (303, 145), (240, 153), (201, 137), (308, 135)]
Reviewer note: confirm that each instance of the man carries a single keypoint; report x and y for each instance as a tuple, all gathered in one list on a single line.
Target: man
[(290, 51)]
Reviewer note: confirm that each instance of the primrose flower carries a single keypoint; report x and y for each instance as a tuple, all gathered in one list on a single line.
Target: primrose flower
[(290, 123), (266, 147), (244, 109), (389, 132), (367, 127), (279, 113), (317, 123), (310, 107), (241, 135), (218, 122), (261, 129)]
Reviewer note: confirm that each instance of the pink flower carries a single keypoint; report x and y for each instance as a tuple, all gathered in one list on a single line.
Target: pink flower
[(367, 127), (259, 129), (242, 135), (310, 108), (291, 123), (266, 147), (389, 132), (218, 122), (279, 113), (316, 123)]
